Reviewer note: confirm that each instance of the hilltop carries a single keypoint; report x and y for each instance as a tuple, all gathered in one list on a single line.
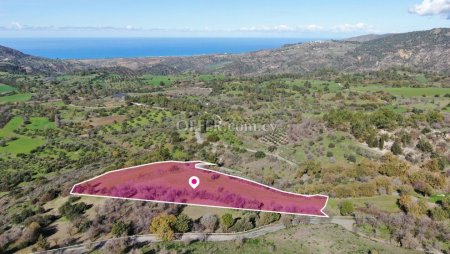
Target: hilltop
[(15, 61), (367, 37)]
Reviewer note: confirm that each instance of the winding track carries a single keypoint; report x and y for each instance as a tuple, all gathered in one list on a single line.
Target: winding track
[(346, 222)]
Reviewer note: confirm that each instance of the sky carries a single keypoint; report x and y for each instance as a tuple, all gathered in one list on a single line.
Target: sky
[(213, 18)]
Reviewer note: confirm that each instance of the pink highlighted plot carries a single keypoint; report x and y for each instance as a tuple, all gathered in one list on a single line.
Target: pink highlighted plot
[(193, 184)]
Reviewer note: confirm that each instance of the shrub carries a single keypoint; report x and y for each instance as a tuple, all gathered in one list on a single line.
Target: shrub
[(396, 148), (434, 165), (445, 202), (393, 166), (384, 185), (386, 119), (405, 189), (434, 179), (227, 220), (287, 220), (73, 199), (243, 224), (381, 144), (272, 148), (183, 223), (22, 215), (72, 211), (406, 202), (426, 130), (346, 208), (434, 116), (350, 157), (438, 214), (121, 228), (209, 221), (42, 243), (260, 155), (372, 140), (267, 218), (162, 225), (213, 138), (115, 246), (424, 146)]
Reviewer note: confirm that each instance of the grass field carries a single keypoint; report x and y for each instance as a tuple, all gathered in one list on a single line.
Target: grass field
[(209, 77), (317, 84), (155, 80), (405, 91), (384, 203), (5, 88), (8, 130), (21, 144), (40, 123), (15, 98)]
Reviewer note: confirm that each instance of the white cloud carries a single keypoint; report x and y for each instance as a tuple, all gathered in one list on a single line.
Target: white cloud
[(283, 28), (15, 26), (314, 28), (343, 28), (432, 7), (348, 28)]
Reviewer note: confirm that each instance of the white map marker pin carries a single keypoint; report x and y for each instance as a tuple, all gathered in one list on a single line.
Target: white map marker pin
[(194, 182)]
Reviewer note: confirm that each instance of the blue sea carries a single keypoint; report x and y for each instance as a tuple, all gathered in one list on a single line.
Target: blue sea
[(88, 48)]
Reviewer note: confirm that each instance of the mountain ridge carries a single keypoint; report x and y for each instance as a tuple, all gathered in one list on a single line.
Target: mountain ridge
[(422, 50), (367, 37)]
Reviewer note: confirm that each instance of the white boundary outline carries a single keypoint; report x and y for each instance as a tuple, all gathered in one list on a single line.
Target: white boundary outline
[(199, 165)]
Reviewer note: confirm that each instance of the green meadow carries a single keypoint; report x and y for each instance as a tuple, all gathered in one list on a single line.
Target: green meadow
[(384, 203), (15, 98), (155, 80), (210, 77), (5, 88), (40, 123), (16, 143)]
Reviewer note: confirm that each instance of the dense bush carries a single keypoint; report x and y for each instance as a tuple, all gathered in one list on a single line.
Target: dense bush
[(396, 148), (346, 208), (260, 154), (183, 223), (424, 146), (72, 211), (120, 228), (227, 220), (267, 218), (162, 225)]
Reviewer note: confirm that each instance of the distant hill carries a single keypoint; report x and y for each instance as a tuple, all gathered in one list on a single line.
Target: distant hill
[(15, 61), (367, 37), (423, 50)]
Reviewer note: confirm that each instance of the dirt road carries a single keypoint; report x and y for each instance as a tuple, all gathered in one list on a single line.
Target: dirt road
[(346, 222)]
